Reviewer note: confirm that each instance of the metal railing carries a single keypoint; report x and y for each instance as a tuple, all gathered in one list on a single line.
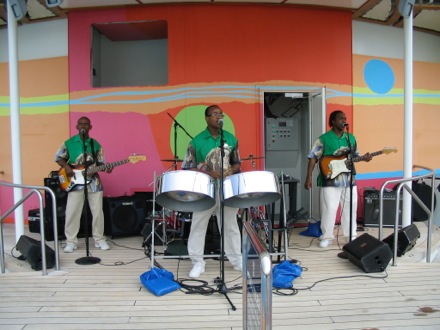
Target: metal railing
[(257, 281), (33, 190), (402, 183)]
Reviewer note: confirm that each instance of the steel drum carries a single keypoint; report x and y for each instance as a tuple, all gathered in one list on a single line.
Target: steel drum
[(248, 189), (186, 191)]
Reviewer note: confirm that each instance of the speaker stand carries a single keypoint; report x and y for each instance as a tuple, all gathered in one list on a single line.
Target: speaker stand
[(88, 261)]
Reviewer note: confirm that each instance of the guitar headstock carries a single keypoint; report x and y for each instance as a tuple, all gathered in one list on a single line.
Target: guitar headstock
[(136, 158), (388, 150)]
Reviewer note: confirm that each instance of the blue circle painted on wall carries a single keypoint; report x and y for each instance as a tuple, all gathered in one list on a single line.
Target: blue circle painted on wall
[(379, 76)]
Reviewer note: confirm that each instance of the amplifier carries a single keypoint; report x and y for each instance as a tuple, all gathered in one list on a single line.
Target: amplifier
[(34, 220), (371, 208)]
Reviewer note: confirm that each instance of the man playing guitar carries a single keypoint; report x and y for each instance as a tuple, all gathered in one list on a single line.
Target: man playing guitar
[(335, 190), (70, 156)]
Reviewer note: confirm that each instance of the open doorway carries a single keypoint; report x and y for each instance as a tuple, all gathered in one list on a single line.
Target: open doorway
[(292, 121)]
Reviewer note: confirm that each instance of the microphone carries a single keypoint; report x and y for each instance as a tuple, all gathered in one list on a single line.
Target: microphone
[(344, 125), (220, 122), (83, 131)]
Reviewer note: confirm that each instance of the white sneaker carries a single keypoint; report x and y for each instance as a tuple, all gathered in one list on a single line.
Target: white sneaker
[(197, 269), (102, 245), (324, 243), (69, 247)]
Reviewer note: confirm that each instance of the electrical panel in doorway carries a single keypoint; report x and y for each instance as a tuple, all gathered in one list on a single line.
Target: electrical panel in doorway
[(281, 134)]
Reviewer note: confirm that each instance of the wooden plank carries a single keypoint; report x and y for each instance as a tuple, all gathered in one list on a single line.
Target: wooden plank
[(333, 293)]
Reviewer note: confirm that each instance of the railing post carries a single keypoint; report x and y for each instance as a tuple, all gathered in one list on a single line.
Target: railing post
[(34, 190), (402, 183)]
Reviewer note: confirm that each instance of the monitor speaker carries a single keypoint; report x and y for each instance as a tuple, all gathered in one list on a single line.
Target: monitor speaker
[(368, 253), (124, 216), (406, 239), (31, 251)]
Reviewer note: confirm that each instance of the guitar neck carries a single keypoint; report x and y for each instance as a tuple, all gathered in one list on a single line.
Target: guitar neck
[(106, 166), (373, 154)]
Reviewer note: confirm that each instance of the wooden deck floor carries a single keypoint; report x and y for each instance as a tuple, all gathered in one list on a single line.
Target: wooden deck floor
[(333, 293)]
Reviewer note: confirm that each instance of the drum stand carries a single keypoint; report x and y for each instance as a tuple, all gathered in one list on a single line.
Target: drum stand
[(265, 225), (282, 225), (154, 226), (156, 223), (164, 219)]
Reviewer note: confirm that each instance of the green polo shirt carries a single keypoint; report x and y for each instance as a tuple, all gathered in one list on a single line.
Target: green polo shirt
[(204, 142), (204, 151), (75, 150)]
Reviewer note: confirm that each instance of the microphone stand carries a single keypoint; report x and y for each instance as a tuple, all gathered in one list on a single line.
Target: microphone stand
[(87, 260), (176, 125), (343, 255), (222, 286), (174, 165)]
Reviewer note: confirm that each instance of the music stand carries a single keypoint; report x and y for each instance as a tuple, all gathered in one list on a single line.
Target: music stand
[(88, 259)]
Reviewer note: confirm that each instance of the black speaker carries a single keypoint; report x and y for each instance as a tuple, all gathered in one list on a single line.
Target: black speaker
[(368, 253), (371, 208), (34, 218), (406, 239), (61, 201), (147, 197), (124, 216), (424, 193), (31, 251), (60, 197)]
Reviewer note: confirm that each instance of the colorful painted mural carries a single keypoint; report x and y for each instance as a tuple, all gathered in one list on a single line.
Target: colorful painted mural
[(228, 60)]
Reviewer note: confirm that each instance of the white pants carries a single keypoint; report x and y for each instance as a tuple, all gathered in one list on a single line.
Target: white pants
[(331, 198), (232, 237), (74, 207)]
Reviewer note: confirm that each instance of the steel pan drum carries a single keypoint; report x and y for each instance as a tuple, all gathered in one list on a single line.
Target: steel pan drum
[(248, 189), (186, 191)]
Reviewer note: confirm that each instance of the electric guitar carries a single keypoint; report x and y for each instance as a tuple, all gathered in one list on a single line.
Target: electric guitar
[(332, 166), (80, 178)]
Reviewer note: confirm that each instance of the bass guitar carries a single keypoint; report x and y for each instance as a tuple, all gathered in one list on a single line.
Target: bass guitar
[(332, 166), (80, 178)]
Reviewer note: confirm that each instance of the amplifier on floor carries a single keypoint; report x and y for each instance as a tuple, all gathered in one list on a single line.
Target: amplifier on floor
[(368, 253), (124, 216), (371, 208), (31, 250), (34, 220)]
